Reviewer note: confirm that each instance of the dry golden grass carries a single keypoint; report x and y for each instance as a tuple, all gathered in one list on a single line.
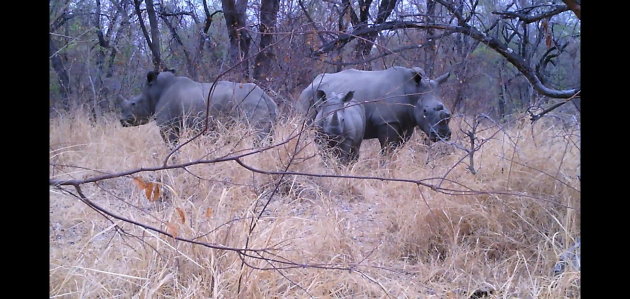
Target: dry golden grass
[(401, 239)]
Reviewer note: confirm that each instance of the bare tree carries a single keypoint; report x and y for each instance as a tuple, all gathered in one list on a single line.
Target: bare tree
[(240, 40), (56, 57), (268, 15), (122, 10), (531, 37), (465, 26), (153, 40), (203, 35), (164, 15), (431, 51), (366, 40), (107, 41)]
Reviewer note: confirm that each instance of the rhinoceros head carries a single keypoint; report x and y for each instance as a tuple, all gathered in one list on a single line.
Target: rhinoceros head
[(135, 112), (330, 117), (140, 109), (430, 113)]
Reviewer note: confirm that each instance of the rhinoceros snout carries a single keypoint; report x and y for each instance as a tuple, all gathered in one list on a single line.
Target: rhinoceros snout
[(435, 137), (447, 136), (126, 123)]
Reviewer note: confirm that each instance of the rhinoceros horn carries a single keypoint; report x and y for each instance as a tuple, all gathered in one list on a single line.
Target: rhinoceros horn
[(335, 120)]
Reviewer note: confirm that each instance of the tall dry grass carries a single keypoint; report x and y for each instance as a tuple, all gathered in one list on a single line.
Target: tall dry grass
[(521, 210)]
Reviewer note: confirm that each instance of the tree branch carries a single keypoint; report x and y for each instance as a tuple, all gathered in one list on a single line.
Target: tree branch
[(466, 29), (310, 20), (145, 32), (389, 52), (530, 19), (535, 117)]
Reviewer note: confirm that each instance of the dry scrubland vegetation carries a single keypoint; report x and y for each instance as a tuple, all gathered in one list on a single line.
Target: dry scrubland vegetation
[(400, 239)]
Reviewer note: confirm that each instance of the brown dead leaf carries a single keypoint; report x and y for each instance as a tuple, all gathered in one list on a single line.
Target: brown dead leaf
[(140, 183), (171, 228), (209, 212), (151, 190), (181, 214)]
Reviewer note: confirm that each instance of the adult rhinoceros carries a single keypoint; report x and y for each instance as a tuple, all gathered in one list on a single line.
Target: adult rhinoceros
[(340, 123), (175, 101), (396, 101)]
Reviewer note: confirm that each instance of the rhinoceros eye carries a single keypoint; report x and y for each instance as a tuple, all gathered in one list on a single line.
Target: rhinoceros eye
[(133, 103)]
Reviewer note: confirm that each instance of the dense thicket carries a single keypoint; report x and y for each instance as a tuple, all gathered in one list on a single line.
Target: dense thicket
[(505, 56)]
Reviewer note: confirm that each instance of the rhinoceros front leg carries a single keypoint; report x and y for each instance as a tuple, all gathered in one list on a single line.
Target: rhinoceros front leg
[(407, 134), (349, 153), (170, 135), (390, 137), (264, 136)]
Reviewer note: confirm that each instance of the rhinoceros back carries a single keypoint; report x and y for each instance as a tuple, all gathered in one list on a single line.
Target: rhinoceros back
[(384, 90), (242, 102), (182, 98)]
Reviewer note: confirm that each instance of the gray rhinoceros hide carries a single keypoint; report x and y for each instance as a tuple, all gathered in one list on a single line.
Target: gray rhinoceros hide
[(340, 123), (396, 101), (177, 101)]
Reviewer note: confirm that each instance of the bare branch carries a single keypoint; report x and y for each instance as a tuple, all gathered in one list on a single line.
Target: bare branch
[(535, 117), (530, 19), (310, 20)]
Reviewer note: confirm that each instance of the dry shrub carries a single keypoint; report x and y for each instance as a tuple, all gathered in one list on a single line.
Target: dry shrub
[(501, 228)]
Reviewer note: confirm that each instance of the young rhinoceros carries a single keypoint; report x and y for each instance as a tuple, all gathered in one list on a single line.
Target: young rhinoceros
[(340, 125), (177, 101)]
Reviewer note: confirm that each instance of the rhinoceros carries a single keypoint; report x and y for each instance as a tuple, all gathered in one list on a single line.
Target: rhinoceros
[(174, 101), (396, 100), (340, 123)]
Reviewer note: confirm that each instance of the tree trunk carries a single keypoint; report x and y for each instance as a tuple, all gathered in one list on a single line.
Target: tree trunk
[(192, 72), (203, 36), (154, 40), (268, 15), (62, 73), (155, 35), (124, 25), (102, 42), (240, 40), (502, 94), (431, 50), (365, 44)]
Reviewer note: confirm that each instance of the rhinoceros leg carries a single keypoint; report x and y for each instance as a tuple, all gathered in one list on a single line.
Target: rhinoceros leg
[(170, 134), (263, 135), (407, 134), (343, 152), (390, 137), (350, 152)]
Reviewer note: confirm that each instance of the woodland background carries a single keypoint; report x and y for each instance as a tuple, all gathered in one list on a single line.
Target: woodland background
[(505, 56)]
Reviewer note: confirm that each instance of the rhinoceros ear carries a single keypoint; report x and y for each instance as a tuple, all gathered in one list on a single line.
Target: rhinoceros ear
[(418, 74), (348, 96), (321, 95), (443, 78), (151, 76)]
